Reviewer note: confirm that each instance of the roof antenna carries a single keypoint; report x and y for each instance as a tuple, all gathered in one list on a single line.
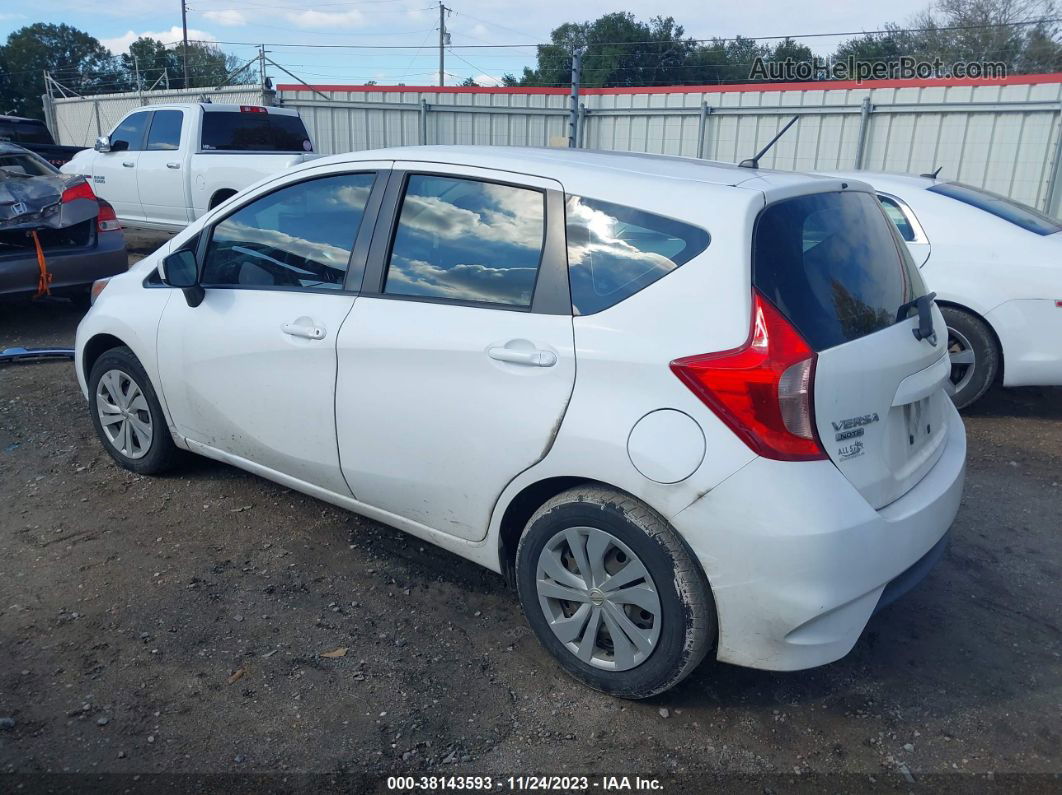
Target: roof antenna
[(754, 161), (932, 174)]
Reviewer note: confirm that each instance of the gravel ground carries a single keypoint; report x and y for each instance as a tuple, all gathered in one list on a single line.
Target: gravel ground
[(213, 622)]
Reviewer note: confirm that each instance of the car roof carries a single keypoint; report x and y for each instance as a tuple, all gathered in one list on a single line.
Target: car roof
[(4, 117), (558, 163), (883, 180)]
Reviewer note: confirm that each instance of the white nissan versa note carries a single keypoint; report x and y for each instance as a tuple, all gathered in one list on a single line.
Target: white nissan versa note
[(686, 407)]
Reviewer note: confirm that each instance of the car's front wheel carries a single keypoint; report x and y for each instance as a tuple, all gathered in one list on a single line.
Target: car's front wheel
[(613, 593), (974, 355), (127, 416)]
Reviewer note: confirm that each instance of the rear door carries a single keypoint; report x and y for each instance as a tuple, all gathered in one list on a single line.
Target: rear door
[(161, 178), (833, 264), (907, 226), (114, 173), (457, 362)]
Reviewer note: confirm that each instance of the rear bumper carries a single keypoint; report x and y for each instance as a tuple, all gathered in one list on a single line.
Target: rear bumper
[(71, 270), (1030, 331), (798, 561)]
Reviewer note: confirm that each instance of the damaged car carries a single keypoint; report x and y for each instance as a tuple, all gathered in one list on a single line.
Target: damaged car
[(56, 236)]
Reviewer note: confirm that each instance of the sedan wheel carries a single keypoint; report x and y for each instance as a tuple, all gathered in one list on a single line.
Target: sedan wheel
[(974, 353), (598, 598), (963, 359), (124, 414)]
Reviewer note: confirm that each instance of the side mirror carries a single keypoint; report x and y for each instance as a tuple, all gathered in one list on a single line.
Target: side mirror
[(103, 144), (181, 270)]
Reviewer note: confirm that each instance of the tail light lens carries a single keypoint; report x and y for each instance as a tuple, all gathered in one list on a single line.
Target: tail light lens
[(98, 287), (80, 190), (107, 220), (762, 390)]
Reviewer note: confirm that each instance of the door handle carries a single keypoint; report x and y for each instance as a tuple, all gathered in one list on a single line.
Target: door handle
[(313, 332), (128, 163), (533, 358), (173, 165)]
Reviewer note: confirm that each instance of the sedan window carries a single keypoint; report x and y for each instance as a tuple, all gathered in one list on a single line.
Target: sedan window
[(467, 240), (1000, 206), (298, 237), (899, 220)]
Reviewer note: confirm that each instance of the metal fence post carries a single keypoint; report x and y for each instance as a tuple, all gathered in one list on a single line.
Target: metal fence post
[(864, 127), (96, 108), (423, 122), (702, 128), (583, 114), (1053, 200), (573, 98)]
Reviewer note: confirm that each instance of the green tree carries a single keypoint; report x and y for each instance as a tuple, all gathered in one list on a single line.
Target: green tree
[(74, 58)]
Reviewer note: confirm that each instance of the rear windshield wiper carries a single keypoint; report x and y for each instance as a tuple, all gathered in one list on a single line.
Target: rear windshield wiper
[(924, 305)]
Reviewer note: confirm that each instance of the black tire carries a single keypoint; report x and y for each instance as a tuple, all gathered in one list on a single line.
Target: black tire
[(160, 454), (967, 333), (687, 627)]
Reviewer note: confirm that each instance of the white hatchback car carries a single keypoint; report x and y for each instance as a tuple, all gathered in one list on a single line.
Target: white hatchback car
[(685, 407), (996, 268)]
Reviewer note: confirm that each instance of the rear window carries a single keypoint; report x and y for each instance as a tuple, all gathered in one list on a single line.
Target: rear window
[(614, 251), (24, 132), (262, 132), (834, 265), (1000, 206)]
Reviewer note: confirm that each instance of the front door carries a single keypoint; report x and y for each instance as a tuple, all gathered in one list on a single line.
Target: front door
[(457, 362), (251, 371), (161, 178), (114, 173)]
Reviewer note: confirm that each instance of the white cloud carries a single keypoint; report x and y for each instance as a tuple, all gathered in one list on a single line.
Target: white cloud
[(310, 18), (230, 18), (487, 80), (120, 44)]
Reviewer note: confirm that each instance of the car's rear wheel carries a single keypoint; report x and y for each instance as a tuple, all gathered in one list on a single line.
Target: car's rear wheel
[(974, 355), (613, 593), (127, 416)]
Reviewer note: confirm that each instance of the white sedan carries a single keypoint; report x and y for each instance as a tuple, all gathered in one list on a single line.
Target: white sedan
[(996, 267)]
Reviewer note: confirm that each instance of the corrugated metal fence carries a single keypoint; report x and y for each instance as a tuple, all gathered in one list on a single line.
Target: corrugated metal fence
[(1003, 135)]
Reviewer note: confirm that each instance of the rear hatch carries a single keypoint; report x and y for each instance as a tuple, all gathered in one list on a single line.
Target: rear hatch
[(836, 268)]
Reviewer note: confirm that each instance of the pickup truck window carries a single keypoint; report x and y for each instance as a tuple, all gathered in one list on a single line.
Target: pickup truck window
[(297, 237), (261, 132), (165, 132), (25, 132), (129, 135)]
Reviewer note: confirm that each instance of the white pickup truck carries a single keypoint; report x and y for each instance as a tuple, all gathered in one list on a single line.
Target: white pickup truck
[(165, 165)]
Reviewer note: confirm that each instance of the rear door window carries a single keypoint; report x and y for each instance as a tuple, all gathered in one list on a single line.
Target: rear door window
[(899, 220), (834, 265), (614, 251), (129, 135), (1000, 206), (254, 131), (165, 133)]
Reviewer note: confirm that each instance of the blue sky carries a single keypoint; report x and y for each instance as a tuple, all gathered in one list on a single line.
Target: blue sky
[(288, 26)]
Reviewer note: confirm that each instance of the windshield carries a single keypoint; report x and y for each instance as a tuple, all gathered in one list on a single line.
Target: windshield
[(834, 265), (1000, 206), (260, 132)]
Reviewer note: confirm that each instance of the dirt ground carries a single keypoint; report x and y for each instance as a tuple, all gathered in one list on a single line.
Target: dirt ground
[(177, 625)]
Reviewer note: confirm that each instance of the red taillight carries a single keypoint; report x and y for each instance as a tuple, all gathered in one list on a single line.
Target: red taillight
[(762, 390), (107, 220), (82, 190)]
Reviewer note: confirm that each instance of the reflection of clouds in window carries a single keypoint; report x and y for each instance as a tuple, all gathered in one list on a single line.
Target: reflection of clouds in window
[(467, 240), (237, 232), (354, 197)]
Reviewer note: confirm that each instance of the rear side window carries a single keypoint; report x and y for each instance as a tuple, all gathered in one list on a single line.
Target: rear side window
[(129, 135), (833, 264), (899, 220), (1000, 206), (165, 132), (247, 131), (467, 240), (297, 237), (614, 251)]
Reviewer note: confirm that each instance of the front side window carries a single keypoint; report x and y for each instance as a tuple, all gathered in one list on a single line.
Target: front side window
[(129, 135), (614, 251), (165, 132), (467, 240), (833, 265), (1000, 206), (298, 237)]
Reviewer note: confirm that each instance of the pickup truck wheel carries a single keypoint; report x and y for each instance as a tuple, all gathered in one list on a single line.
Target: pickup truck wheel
[(127, 416), (974, 355), (613, 593)]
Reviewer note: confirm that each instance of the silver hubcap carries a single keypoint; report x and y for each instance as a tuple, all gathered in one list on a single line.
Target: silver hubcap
[(124, 414), (598, 598), (962, 357)]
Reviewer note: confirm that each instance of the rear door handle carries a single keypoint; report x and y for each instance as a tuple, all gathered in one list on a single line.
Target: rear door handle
[(312, 332), (173, 165), (128, 163), (533, 358)]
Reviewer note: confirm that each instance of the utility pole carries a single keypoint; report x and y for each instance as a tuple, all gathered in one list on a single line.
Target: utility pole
[(573, 98), (184, 26), (261, 65), (444, 39)]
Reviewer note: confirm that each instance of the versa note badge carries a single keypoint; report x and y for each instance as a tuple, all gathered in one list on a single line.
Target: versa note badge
[(852, 427)]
